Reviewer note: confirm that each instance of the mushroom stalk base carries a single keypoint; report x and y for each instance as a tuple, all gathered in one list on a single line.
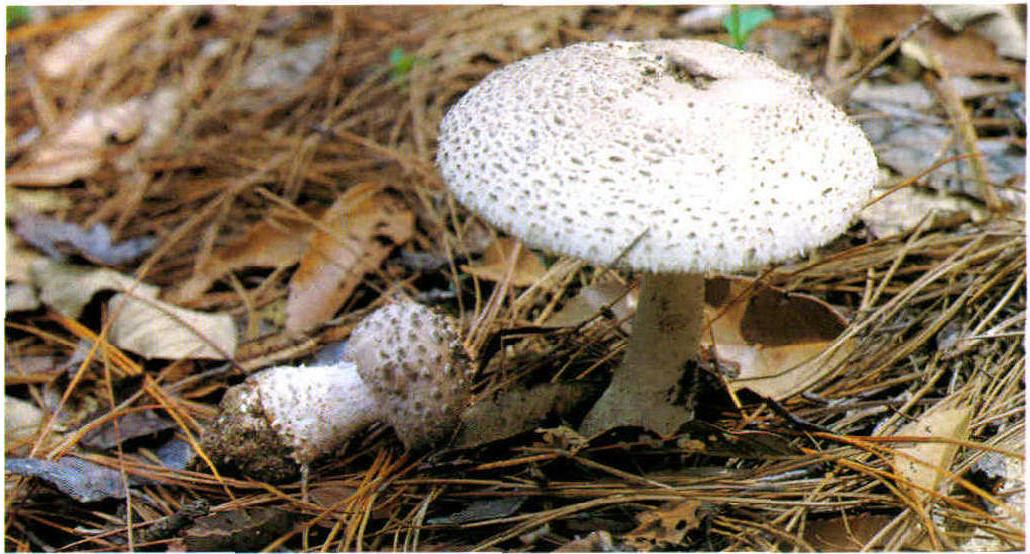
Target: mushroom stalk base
[(645, 388)]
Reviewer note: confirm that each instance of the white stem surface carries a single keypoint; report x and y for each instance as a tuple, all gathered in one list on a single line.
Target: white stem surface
[(316, 408), (645, 387)]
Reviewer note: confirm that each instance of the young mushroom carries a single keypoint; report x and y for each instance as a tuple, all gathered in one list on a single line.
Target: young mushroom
[(404, 366), (670, 157)]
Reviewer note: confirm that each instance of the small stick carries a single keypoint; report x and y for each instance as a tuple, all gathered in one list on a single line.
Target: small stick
[(960, 119), (832, 68), (795, 421), (842, 91)]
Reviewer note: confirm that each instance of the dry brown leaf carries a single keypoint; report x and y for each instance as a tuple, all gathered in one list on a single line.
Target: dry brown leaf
[(18, 260), (21, 423), (367, 222), (68, 288), (665, 526), (332, 493), (20, 298), (845, 533), (77, 150), (768, 340), (335, 493), (244, 529), (129, 426), (905, 209), (497, 259), (155, 329), (964, 53), (79, 51), (39, 201), (592, 299), (277, 241), (950, 420), (998, 23)]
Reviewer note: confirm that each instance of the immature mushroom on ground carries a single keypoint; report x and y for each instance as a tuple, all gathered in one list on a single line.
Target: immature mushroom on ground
[(672, 157), (404, 366)]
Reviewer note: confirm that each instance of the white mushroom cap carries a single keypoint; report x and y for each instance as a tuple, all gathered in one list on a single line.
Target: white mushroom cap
[(726, 159), (412, 361)]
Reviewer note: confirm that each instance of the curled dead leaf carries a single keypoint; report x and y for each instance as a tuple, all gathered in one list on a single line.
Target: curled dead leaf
[(245, 529), (80, 50), (276, 241), (963, 53), (76, 151), (366, 223), (664, 526), (528, 268), (847, 533), (591, 300), (155, 329), (68, 288), (922, 464), (769, 341)]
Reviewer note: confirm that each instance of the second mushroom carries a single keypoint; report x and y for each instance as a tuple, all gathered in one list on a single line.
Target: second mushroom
[(404, 367), (670, 157)]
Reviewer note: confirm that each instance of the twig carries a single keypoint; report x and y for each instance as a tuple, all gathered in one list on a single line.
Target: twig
[(959, 116), (841, 91)]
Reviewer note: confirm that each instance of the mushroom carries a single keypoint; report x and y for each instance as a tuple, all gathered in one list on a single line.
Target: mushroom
[(404, 366), (670, 157)]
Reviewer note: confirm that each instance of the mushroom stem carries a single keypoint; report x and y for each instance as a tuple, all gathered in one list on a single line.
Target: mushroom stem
[(645, 388), (283, 418), (317, 408)]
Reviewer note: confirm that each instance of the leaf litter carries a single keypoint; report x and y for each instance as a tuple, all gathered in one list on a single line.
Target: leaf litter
[(665, 526), (156, 329), (220, 156), (58, 239), (353, 237), (526, 267), (68, 288)]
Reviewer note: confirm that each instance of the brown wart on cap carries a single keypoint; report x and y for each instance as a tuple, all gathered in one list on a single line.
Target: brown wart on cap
[(701, 157), (404, 366)]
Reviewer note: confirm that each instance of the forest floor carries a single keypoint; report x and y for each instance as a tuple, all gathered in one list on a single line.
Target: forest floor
[(176, 178)]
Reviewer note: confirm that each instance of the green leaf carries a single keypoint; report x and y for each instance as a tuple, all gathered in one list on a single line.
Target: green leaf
[(741, 23), (16, 15), (400, 63)]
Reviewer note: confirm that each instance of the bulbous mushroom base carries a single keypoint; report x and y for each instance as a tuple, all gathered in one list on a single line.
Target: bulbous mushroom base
[(242, 438), (285, 417), (645, 388)]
